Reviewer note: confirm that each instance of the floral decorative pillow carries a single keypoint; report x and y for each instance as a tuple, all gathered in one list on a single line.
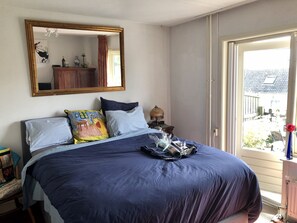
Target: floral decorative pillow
[(6, 166), (87, 125)]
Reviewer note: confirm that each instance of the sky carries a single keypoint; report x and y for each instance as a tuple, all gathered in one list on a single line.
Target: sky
[(267, 59)]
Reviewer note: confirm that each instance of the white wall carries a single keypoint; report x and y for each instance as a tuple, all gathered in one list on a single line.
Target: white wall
[(113, 42), (146, 66), (189, 65), (56, 50), (188, 79)]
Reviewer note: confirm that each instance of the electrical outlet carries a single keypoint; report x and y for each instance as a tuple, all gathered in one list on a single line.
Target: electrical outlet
[(216, 132)]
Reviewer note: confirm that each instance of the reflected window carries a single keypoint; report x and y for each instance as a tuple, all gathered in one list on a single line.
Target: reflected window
[(114, 68)]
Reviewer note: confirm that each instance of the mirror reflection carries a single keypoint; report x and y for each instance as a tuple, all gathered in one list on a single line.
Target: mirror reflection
[(69, 58)]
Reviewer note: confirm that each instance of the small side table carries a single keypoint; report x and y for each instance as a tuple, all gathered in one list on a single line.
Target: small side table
[(162, 126)]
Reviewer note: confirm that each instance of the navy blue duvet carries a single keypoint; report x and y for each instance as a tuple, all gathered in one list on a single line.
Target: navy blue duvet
[(116, 182)]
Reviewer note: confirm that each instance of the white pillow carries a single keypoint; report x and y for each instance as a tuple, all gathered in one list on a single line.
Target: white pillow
[(119, 122), (46, 132)]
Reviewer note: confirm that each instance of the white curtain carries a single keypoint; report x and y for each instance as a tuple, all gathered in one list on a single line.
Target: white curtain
[(232, 89), (291, 108)]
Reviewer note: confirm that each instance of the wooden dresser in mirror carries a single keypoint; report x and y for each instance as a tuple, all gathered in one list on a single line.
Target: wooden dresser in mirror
[(74, 77)]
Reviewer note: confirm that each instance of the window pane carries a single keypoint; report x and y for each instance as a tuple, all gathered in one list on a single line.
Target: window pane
[(114, 68), (265, 98)]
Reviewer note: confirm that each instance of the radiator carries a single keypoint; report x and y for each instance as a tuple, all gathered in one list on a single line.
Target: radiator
[(292, 199)]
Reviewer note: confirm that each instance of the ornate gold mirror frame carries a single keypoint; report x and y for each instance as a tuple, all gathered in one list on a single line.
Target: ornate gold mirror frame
[(69, 58)]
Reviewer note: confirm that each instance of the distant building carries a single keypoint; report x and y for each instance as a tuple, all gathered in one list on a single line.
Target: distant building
[(271, 86)]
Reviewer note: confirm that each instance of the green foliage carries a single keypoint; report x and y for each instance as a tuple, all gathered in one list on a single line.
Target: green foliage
[(254, 140)]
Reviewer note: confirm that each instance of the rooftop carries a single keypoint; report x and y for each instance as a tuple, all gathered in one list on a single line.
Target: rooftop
[(266, 81)]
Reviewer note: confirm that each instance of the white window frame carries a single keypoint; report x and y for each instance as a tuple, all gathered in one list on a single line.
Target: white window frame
[(230, 80)]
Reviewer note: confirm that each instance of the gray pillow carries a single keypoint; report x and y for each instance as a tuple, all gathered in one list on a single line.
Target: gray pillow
[(119, 122), (46, 132)]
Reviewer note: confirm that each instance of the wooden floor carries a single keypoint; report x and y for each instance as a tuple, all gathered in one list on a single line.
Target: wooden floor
[(267, 214), (23, 216)]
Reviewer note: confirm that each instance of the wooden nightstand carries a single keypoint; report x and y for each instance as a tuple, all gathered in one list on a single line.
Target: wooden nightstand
[(162, 126)]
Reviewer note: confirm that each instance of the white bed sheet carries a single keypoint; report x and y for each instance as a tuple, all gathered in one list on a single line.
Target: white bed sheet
[(39, 195)]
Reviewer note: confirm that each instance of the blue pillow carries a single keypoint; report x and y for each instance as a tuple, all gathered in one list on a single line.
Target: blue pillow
[(46, 132), (120, 122), (109, 105)]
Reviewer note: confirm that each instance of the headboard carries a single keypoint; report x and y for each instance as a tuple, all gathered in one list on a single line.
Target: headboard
[(25, 146)]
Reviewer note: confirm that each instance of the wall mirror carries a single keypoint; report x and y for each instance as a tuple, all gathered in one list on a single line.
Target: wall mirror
[(69, 58)]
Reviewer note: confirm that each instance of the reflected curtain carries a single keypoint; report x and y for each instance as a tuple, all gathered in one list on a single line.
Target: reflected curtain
[(102, 60)]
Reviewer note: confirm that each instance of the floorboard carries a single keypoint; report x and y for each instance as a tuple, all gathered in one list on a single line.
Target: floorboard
[(267, 213), (23, 216)]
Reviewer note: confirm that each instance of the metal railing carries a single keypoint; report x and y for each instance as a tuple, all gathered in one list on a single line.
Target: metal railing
[(251, 107)]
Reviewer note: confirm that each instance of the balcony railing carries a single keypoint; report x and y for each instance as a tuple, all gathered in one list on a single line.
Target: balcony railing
[(251, 107)]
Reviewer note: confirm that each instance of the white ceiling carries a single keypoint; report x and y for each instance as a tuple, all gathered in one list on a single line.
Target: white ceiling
[(157, 12)]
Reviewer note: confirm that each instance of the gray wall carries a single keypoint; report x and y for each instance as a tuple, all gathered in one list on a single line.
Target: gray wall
[(190, 66)]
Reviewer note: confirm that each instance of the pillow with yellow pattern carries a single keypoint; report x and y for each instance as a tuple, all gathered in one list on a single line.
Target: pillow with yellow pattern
[(87, 125)]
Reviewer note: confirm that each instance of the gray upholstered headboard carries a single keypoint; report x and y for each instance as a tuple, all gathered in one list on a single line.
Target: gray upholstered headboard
[(25, 146)]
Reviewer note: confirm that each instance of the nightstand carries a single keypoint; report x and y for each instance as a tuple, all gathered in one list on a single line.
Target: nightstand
[(162, 126)]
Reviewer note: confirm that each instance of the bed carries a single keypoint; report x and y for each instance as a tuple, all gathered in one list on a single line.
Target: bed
[(113, 180)]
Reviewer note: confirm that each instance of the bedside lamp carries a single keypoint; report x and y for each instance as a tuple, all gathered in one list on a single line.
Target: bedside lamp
[(156, 114)]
